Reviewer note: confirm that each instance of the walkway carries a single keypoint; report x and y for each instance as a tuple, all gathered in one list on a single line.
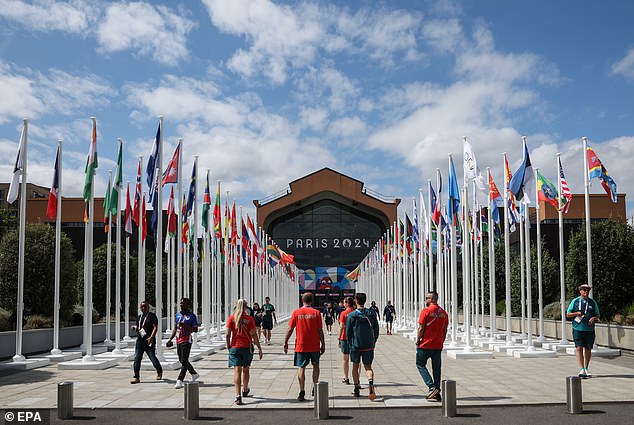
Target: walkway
[(501, 380)]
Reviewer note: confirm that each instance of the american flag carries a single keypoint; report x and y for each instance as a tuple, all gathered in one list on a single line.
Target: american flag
[(566, 195)]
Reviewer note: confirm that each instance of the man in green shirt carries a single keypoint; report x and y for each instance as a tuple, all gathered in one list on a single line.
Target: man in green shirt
[(267, 320), (584, 312)]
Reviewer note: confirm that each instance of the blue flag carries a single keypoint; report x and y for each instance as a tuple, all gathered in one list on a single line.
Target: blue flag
[(150, 170), (191, 195), (155, 206), (453, 204), (522, 177)]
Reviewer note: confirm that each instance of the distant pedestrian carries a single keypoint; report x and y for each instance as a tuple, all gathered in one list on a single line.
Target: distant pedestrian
[(145, 328), (375, 309), (432, 331), (362, 332), (268, 311), (257, 315), (329, 317), (343, 342), (339, 308), (309, 341), (585, 314), (240, 337), (389, 314), (186, 324)]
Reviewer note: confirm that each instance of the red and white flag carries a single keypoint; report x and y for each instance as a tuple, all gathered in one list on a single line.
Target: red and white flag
[(137, 197), (171, 173), (566, 195), (51, 208), (128, 211)]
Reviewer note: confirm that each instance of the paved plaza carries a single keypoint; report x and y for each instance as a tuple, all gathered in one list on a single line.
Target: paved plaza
[(502, 380)]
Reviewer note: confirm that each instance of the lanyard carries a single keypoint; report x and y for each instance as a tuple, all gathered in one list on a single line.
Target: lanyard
[(580, 303), (144, 319)]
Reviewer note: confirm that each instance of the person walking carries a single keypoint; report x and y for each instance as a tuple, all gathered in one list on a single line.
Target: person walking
[(432, 331), (145, 328), (186, 323), (309, 341), (343, 342), (329, 317), (374, 308), (267, 320), (240, 337), (362, 332), (389, 314), (584, 312), (257, 315)]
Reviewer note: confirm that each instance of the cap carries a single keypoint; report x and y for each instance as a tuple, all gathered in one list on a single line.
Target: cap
[(585, 285)]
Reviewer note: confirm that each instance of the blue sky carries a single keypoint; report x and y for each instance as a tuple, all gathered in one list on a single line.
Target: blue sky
[(265, 92)]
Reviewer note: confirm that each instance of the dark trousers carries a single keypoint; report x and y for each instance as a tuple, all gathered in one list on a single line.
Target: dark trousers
[(143, 347), (422, 355), (183, 350)]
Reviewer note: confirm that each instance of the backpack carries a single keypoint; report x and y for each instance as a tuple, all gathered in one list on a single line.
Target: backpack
[(364, 331)]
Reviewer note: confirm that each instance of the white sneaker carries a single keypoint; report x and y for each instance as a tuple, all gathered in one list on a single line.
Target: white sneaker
[(195, 376), (179, 384), (588, 374), (582, 373)]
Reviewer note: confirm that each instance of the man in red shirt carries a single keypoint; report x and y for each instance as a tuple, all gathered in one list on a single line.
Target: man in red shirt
[(309, 341), (432, 330), (343, 342)]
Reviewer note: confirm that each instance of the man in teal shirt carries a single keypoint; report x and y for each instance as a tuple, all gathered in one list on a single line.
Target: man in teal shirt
[(584, 312)]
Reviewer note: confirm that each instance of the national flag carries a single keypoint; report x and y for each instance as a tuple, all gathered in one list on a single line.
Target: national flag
[(106, 210), (156, 209), (184, 222), (286, 258), (408, 235), (453, 204), (143, 218), (546, 191), (137, 197), (217, 217), (150, 170), (273, 254), (117, 184), (520, 181), (191, 193), (171, 215), (496, 200), (598, 170), (128, 212), (513, 218), (18, 169), (566, 194), (353, 275), (246, 249), (206, 205), (92, 162), (415, 227), (435, 207), (471, 170), (171, 172), (51, 207), (234, 225), (484, 222)]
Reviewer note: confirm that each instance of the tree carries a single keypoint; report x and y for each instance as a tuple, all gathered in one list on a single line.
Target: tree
[(612, 265), (39, 271), (550, 281)]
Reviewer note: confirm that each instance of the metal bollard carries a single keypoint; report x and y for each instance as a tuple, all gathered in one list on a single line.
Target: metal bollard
[(191, 400), (65, 400), (574, 399), (321, 400), (448, 391)]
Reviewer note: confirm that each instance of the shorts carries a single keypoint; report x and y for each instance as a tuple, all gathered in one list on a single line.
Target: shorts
[(267, 324), (302, 359), (362, 356), (583, 339), (389, 319), (328, 321), (345, 347), (240, 357)]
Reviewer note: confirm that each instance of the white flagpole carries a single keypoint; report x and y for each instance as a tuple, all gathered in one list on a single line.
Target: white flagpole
[(429, 241), (22, 240), (507, 256), (492, 306), (179, 238), (158, 285), (522, 277), (444, 294), (117, 278), (141, 266), (586, 186), (58, 236), (539, 263), (126, 303), (454, 280), (562, 276), (466, 269), (194, 235), (107, 341), (529, 287), (88, 269)]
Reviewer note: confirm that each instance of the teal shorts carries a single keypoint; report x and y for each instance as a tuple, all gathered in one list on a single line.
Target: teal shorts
[(345, 348), (362, 356), (302, 359), (240, 357)]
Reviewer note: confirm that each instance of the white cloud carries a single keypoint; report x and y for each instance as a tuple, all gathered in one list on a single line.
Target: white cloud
[(49, 15), (314, 118), (625, 66), (154, 31), (346, 127)]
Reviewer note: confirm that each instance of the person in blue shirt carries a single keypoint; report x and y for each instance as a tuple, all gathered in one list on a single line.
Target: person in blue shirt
[(362, 331), (186, 323), (584, 312)]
